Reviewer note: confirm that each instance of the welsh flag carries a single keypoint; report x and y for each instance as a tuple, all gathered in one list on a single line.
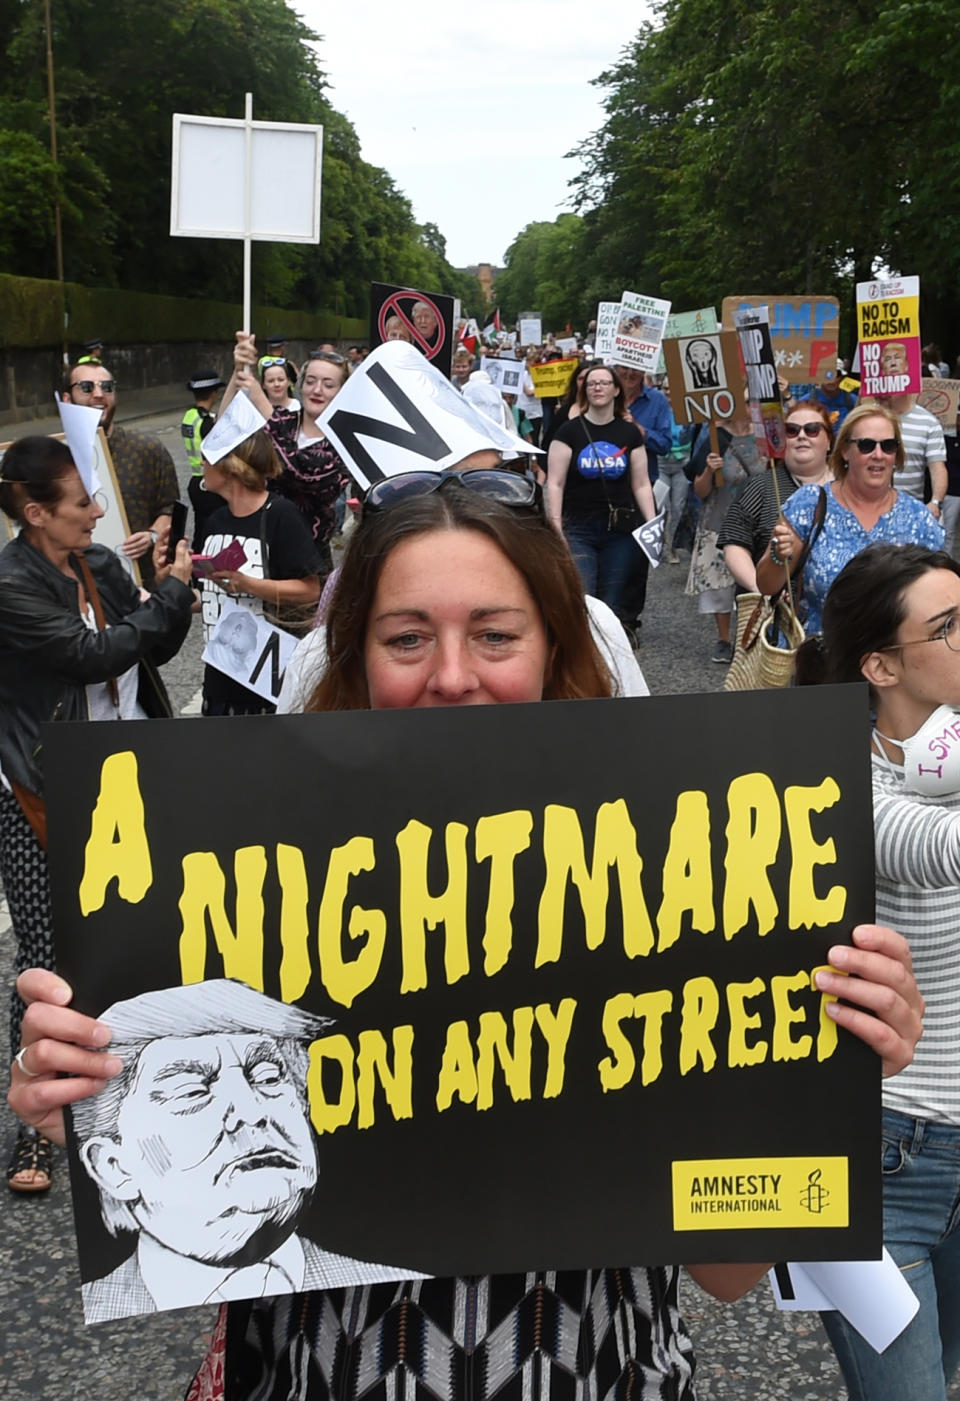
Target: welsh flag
[(470, 335)]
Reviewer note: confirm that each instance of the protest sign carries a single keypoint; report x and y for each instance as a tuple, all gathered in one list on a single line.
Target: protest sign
[(552, 380), (507, 375), (766, 410), (599, 975), (803, 331), (639, 331), (423, 319), (608, 318), (687, 323), (705, 378), (888, 336), (941, 397), (567, 345), (397, 413), (225, 175), (250, 650), (530, 327), (649, 537)]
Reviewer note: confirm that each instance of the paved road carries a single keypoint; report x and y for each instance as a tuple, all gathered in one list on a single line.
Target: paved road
[(745, 1350)]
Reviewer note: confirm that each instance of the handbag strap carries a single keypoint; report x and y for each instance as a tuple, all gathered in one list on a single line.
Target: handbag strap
[(611, 508), (819, 516), (94, 599)]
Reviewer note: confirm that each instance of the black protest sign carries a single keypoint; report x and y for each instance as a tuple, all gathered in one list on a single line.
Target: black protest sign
[(766, 410), (572, 1016), (423, 319), (705, 378)]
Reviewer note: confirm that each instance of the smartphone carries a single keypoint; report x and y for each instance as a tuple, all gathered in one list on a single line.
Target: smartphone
[(178, 526)]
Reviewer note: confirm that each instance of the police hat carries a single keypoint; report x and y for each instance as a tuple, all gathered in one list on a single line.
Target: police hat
[(205, 379)]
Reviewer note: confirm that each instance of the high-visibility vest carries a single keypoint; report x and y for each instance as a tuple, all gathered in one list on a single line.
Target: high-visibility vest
[(191, 429)]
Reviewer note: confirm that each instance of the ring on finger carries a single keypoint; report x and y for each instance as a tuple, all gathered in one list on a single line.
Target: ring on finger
[(19, 1061)]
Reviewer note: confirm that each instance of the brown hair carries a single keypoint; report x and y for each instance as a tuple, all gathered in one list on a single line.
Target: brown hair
[(619, 403), (531, 545), (855, 416), (33, 469), (252, 462)]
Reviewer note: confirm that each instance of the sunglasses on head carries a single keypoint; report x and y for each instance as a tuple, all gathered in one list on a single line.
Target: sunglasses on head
[(508, 488), (867, 445), (330, 355), (87, 386), (811, 430)]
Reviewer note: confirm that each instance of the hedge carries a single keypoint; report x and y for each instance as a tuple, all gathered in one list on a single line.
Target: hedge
[(31, 317)]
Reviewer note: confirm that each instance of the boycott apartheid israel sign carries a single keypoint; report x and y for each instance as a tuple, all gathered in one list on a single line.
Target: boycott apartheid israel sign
[(423, 319), (553, 1016)]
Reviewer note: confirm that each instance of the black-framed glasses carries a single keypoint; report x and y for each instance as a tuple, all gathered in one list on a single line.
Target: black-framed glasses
[(948, 632), (810, 430), (508, 488), (87, 386), (867, 445)]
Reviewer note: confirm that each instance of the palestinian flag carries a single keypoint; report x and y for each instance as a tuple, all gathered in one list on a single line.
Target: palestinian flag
[(491, 327), (469, 335)]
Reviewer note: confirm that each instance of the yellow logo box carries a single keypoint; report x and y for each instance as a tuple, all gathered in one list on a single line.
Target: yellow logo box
[(726, 1194)]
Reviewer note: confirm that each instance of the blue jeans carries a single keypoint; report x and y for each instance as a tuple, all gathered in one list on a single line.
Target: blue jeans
[(605, 559), (921, 1217), (676, 478)]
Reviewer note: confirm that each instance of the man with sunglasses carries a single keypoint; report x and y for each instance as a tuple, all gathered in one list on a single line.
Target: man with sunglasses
[(144, 469)]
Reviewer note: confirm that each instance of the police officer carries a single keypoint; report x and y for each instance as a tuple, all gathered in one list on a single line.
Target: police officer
[(196, 424)]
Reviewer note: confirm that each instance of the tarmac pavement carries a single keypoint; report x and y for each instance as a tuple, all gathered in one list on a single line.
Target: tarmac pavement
[(744, 1350)]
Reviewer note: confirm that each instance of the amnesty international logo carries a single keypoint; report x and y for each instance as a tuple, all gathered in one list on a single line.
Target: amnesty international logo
[(725, 1194), (815, 1196)]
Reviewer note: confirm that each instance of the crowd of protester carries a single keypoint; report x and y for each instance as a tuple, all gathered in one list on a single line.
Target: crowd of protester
[(866, 496)]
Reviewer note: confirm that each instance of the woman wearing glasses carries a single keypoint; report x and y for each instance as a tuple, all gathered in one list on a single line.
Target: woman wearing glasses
[(598, 490), (751, 517), (76, 643), (862, 507), (313, 474), (892, 618), (451, 595), (276, 385)]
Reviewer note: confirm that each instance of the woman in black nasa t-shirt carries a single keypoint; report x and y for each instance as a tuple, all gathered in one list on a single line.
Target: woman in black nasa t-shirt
[(598, 489)]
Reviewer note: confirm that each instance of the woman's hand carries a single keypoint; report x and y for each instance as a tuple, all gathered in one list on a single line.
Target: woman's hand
[(137, 544), (231, 581), (56, 1042), (877, 976), (182, 566)]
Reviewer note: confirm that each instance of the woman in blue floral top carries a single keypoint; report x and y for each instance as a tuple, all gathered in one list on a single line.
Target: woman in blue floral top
[(863, 507)]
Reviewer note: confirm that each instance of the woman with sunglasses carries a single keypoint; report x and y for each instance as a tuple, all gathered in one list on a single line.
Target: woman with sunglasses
[(313, 475), (450, 596), (892, 618), (598, 490), (483, 475), (751, 517), (77, 642), (275, 383), (862, 507)]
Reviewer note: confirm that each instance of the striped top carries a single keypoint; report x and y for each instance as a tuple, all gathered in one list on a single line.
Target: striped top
[(922, 444), (918, 893), (577, 1335)]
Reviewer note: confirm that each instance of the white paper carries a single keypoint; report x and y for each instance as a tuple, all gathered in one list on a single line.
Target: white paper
[(505, 375), (649, 537), (397, 389), (531, 331), (249, 649), (239, 421), (608, 317), (80, 425), (872, 1295), (639, 331)]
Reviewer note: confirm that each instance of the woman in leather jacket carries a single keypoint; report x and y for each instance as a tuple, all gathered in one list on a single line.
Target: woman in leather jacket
[(78, 641)]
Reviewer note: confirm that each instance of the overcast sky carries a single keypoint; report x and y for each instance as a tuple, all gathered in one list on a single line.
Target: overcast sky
[(472, 107)]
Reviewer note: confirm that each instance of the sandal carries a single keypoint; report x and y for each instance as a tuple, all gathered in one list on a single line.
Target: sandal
[(31, 1163)]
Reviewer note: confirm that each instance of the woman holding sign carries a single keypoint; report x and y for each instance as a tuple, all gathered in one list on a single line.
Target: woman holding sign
[(598, 490), (313, 474), (862, 507), (455, 591), (892, 618), (77, 642)]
